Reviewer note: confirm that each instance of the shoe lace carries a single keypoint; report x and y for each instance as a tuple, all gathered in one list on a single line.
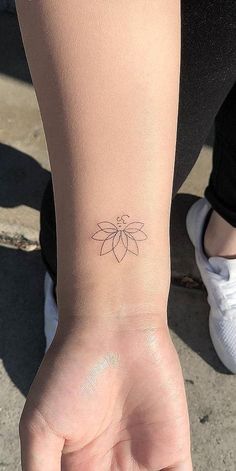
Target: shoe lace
[(225, 295)]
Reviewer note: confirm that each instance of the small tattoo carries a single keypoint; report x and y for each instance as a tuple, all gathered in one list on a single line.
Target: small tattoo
[(120, 238)]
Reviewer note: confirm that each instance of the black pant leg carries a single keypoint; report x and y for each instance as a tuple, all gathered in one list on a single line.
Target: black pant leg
[(221, 191), (208, 72)]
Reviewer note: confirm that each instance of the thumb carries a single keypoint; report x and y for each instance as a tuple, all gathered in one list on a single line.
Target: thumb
[(40, 447)]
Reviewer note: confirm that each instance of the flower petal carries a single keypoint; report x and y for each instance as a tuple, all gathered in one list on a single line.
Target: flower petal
[(132, 245), (120, 250), (124, 239), (107, 226), (116, 239), (134, 227), (102, 235), (139, 235), (107, 245)]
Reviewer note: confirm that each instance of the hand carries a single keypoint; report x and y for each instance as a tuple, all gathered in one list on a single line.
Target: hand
[(107, 400)]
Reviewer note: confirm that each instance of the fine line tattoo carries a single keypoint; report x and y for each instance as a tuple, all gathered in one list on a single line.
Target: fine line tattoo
[(120, 238)]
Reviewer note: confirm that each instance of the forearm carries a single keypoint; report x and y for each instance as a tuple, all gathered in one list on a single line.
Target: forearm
[(106, 76)]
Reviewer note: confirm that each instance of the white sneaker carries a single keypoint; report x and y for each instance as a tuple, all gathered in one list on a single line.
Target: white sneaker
[(219, 277), (50, 311)]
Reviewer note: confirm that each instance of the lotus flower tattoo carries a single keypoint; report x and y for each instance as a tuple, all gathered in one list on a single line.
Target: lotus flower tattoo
[(120, 238)]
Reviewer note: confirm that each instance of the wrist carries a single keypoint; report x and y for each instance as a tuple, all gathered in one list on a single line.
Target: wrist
[(114, 293), (111, 320), (104, 332)]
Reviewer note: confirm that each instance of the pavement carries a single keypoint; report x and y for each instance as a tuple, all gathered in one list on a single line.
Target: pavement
[(24, 171)]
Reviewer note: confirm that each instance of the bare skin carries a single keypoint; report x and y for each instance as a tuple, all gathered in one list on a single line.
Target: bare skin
[(220, 238), (109, 395), (129, 414)]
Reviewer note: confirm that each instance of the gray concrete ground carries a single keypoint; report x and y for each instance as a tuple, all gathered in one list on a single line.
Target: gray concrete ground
[(24, 170)]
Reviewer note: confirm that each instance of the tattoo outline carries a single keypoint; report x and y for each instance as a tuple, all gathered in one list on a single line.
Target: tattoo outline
[(120, 238)]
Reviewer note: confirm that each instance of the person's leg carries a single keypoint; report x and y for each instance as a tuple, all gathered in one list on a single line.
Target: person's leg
[(208, 68), (208, 71), (209, 77), (211, 225), (220, 235)]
